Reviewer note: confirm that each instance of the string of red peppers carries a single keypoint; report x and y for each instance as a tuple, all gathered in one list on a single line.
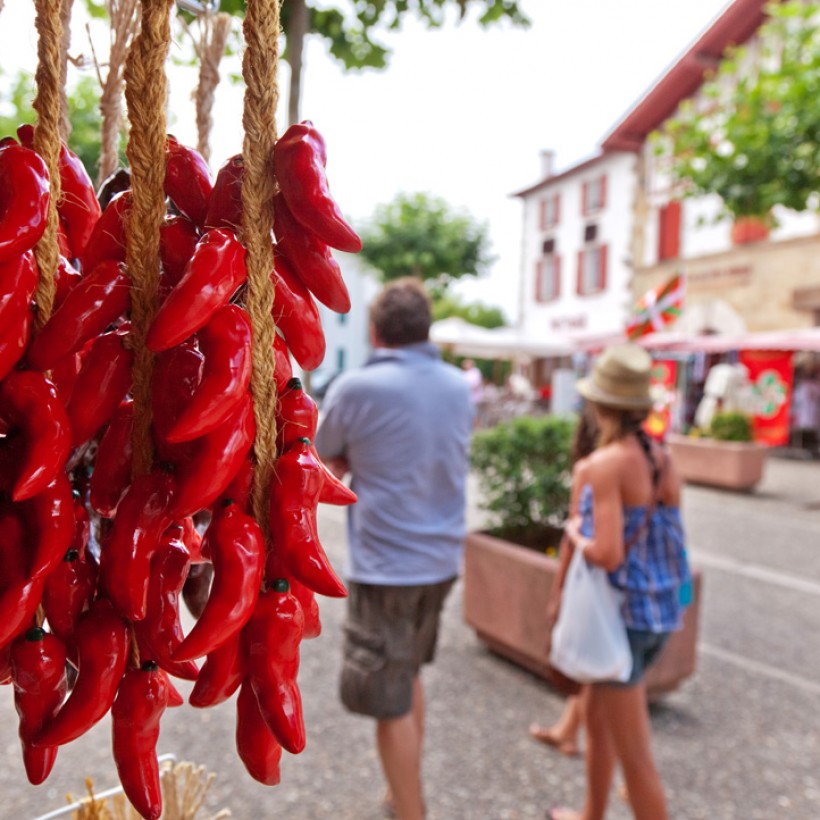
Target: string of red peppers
[(66, 419)]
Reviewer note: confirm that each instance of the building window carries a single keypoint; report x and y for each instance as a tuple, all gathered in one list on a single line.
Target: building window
[(593, 195), (548, 278), (549, 212), (590, 233), (592, 270), (669, 219)]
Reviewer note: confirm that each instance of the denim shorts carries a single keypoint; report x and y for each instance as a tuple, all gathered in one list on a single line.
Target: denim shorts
[(645, 646), (390, 632)]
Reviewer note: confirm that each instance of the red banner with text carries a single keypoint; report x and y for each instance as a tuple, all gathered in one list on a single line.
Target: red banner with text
[(772, 376)]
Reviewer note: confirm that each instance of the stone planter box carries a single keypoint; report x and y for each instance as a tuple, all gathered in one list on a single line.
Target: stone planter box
[(734, 465), (506, 592)]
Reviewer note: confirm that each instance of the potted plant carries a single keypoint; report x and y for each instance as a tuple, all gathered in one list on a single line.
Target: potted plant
[(523, 471), (725, 455)]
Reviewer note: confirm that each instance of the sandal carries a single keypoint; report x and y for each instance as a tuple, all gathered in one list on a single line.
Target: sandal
[(547, 736)]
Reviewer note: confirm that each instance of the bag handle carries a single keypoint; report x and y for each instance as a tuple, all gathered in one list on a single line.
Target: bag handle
[(657, 475)]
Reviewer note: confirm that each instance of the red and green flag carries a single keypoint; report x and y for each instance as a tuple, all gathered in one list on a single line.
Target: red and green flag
[(657, 308)]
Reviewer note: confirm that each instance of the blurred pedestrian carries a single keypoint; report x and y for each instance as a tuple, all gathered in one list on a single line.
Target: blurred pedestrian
[(629, 523), (475, 380), (563, 734), (401, 425)]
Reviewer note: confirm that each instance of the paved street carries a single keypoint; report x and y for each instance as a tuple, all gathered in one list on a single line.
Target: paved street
[(739, 740)]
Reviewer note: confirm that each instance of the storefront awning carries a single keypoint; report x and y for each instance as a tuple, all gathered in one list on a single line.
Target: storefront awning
[(465, 339)]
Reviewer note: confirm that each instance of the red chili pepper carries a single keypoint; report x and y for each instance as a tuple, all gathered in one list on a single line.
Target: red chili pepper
[(294, 497), (225, 342), (178, 237), (192, 539), (213, 460), (299, 159), (113, 462), (103, 381), (66, 278), (215, 271), (283, 370), (107, 240), (274, 569), (187, 180), (97, 301), (177, 372), (142, 698), (5, 665), (14, 557), (297, 316), (64, 376), (49, 519), (18, 281), (30, 404), (68, 592), (15, 335), (174, 698), (224, 669), (78, 206), (272, 639), (160, 633), (101, 638), (237, 549), (19, 600), (115, 183), (256, 745), (24, 197), (225, 207), (311, 259), (241, 486), (38, 672), (142, 517)]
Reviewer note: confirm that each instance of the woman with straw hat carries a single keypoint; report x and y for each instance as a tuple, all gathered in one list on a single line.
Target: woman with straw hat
[(628, 523)]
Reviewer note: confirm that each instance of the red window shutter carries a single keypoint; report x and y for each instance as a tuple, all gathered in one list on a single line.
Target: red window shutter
[(669, 222), (556, 277), (580, 275), (602, 267), (557, 213), (539, 272), (584, 198), (603, 191), (542, 214)]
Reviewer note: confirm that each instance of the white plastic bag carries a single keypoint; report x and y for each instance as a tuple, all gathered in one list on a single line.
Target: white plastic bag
[(589, 642)]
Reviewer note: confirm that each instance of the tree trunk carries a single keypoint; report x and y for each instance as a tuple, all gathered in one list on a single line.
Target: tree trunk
[(297, 29)]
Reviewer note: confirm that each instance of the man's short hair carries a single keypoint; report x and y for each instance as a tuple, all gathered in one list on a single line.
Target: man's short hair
[(401, 314)]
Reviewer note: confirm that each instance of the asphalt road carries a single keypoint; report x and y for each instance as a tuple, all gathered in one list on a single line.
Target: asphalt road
[(741, 739)]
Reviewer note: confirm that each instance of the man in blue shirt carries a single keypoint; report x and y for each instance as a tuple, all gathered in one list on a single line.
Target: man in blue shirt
[(401, 425)]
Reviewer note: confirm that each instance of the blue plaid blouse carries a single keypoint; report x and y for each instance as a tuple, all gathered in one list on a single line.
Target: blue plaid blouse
[(655, 569)]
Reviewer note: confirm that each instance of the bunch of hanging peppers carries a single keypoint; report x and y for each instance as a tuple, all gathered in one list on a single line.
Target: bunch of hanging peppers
[(95, 557)]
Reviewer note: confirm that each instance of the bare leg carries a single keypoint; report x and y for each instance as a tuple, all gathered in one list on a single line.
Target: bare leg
[(600, 754), (627, 715), (399, 743), (563, 734)]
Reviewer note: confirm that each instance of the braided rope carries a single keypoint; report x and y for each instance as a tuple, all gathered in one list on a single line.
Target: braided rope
[(145, 96), (259, 68), (47, 144), (214, 37)]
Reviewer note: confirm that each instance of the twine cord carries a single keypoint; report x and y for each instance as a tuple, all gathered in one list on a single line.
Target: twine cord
[(145, 96), (259, 68), (47, 144), (125, 18), (215, 30)]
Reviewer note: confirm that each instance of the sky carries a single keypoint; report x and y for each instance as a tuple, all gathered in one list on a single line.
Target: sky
[(461, 112)]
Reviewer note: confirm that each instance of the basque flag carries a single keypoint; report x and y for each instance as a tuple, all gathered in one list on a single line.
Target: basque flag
[(657, 308)]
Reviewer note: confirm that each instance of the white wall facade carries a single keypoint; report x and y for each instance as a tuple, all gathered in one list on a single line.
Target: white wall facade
[(570, 312)]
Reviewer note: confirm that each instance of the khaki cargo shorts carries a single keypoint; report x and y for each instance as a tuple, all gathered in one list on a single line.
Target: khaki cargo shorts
[(390, 632)]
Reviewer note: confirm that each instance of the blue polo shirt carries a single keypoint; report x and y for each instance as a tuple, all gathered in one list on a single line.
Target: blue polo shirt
[(403, 422)]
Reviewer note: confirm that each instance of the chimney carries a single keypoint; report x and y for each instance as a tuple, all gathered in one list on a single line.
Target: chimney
[(547, 163)]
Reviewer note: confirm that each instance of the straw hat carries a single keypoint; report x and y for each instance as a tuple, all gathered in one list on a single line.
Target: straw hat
[(619, 378)]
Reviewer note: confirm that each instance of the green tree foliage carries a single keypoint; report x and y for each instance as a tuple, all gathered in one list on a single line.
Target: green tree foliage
[(755, 141), (476, 313), (17, 93), (419, 235)]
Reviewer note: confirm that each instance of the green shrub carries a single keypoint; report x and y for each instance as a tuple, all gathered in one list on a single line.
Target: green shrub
[(731, 427), (523, 470)]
